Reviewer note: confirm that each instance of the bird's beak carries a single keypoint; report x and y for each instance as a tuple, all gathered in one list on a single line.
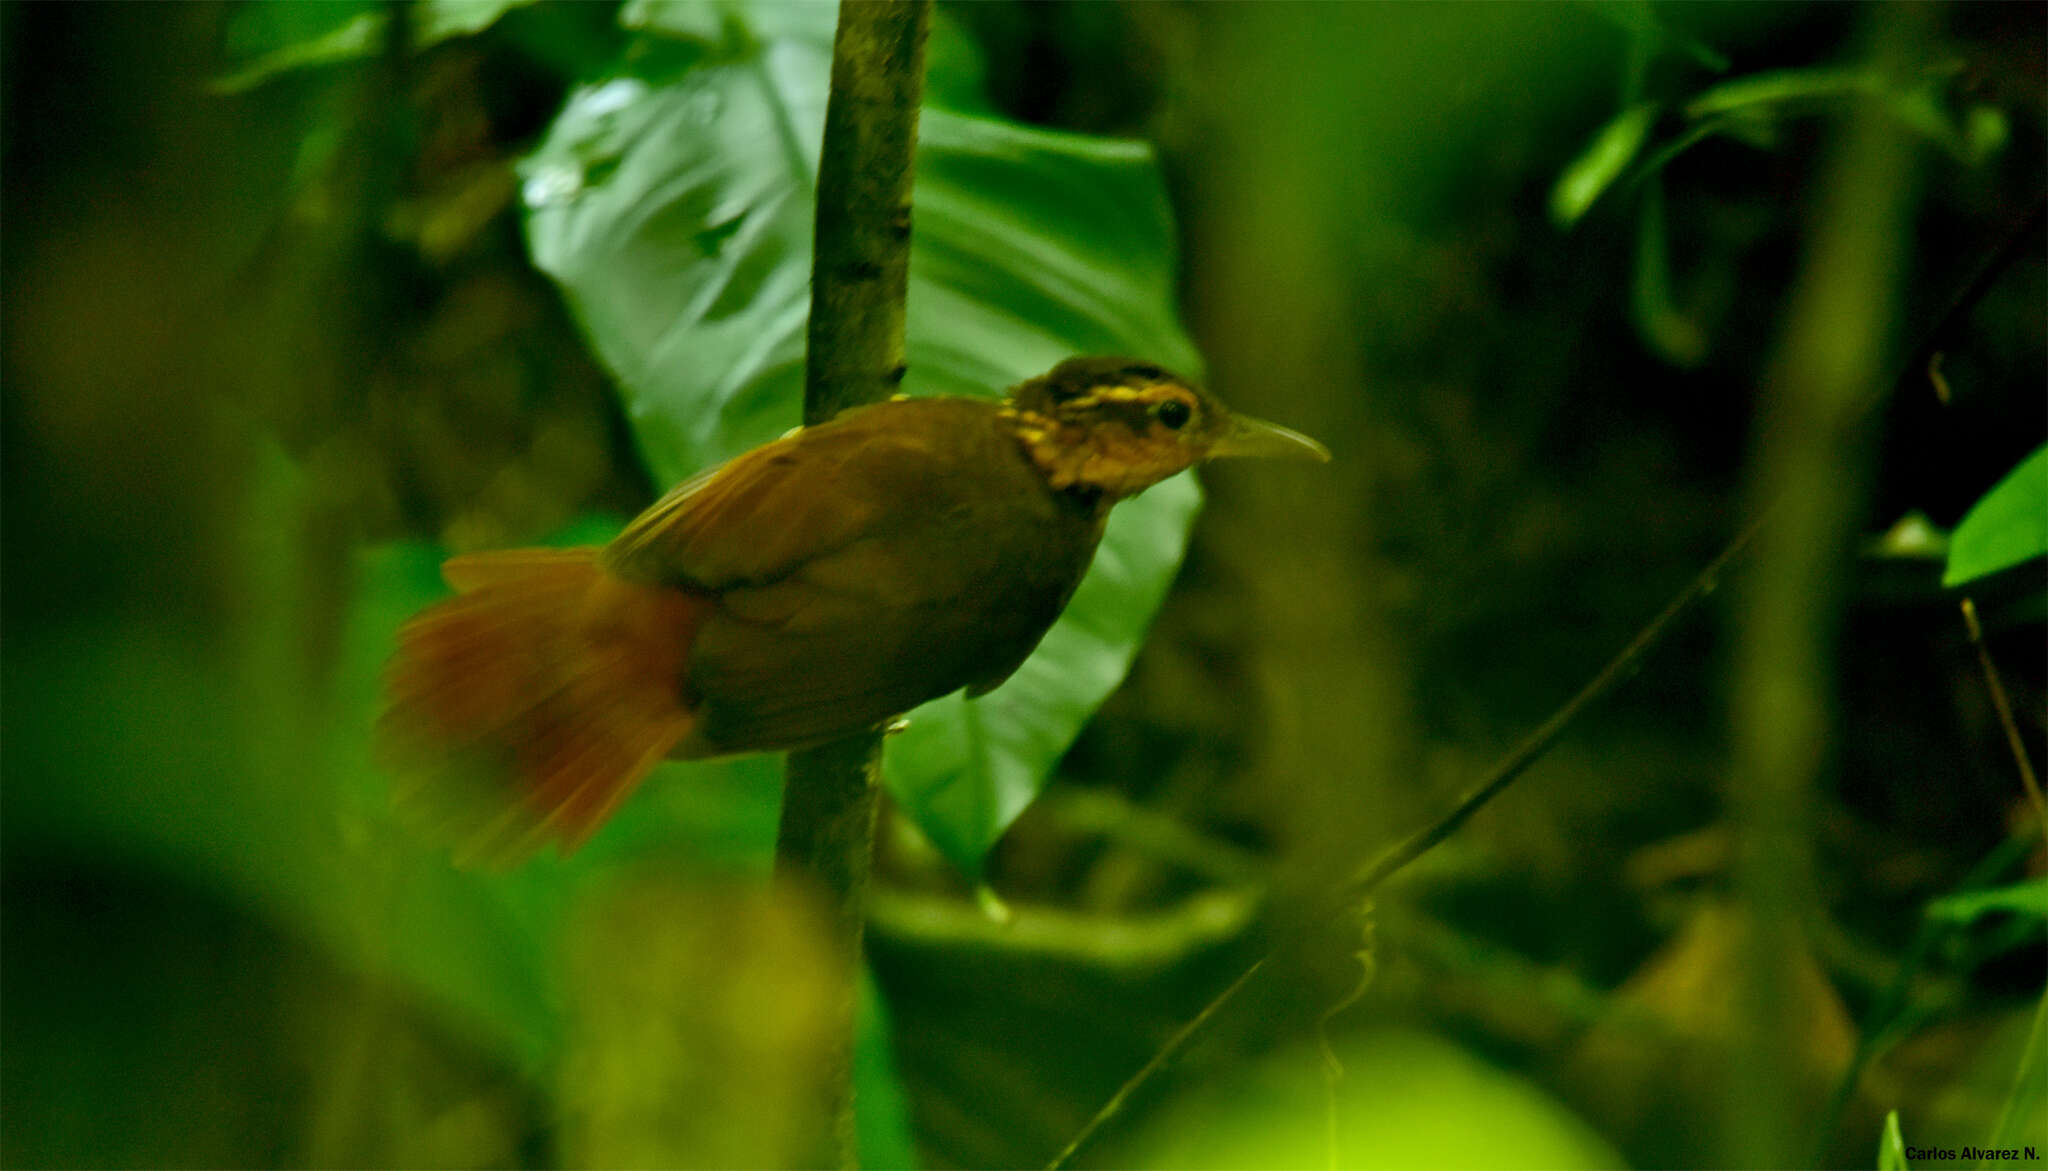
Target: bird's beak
[(1258, 439)]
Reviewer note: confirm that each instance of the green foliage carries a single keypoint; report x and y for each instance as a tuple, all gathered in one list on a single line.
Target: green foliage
[(2029, 898), (1891, 1147), (269, 37), (1971, 135), (1751, 108), (1401, 1100), (676, 214), (1640, 18), (1604, 160), (672, 199), (267, 793), (2021, 1122), (1628, 152), (189, 690), (2008, 526), (487, 947)]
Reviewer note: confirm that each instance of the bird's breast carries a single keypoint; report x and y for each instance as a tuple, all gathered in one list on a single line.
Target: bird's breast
[(953, 587)]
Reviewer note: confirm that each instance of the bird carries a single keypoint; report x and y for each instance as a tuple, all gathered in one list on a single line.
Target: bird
[(818, 585)]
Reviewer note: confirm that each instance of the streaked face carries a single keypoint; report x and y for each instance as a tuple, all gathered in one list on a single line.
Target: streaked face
[(1120, 426)]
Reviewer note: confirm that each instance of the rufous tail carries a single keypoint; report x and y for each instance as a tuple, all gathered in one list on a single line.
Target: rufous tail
[(524, 709)]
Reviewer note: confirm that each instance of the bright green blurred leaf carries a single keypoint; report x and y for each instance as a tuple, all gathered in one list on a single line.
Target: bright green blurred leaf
[(711, 21), (1602, 162), (269, 37), (2021, 898), (2007, 527), (1779, 87), (677, 218), (1402, 1100), (1891, 1146)]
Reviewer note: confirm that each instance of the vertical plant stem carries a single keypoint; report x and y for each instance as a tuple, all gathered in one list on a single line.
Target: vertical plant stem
[(1810, 457), (860, 280), (860, 276)]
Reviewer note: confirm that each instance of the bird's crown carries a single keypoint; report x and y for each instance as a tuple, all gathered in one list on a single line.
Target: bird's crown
[(1117, 426)]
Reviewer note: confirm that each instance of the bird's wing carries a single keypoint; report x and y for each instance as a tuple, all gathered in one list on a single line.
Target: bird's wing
[(761, 516)]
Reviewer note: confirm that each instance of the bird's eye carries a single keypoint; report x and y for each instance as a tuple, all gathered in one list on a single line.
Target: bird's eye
[(1173, 413)]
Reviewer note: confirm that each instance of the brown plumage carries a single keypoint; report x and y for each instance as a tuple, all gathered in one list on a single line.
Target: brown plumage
[(813, 587)]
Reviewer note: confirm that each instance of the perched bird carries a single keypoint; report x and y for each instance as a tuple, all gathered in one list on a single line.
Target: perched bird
[(815, 586)]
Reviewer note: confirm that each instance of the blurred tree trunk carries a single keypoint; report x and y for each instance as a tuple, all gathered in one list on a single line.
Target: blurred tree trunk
[(1810, 465)]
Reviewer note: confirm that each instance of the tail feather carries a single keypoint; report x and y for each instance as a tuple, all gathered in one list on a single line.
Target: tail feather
[(524, 709)]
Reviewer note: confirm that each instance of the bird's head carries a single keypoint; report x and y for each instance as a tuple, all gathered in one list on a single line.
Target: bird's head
[(1118, 426)]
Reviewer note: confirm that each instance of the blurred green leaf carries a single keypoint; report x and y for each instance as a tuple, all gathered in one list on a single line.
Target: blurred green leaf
[(1972, 135), (1985, 130), (1402, 1099), (2006, 527), (677, 218), (714, 22), (1891, 1147), (269, 37), (237, 767), (1749, 110), (883, 1115), (1780, 87), (266, 27), (2021, 1122), (954, 74), (1602, 162), (1912, 537), (1918, 102), (2028, 898), (1642, 18)]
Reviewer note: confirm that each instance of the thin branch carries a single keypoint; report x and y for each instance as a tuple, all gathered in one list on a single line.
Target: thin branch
[(1538, 742), (2013, 738), (1390, 862), (859, 285), (1166, 1053)]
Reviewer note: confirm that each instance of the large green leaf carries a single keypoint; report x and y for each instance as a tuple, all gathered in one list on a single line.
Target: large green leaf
[(677, 216), (2007, 527)]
